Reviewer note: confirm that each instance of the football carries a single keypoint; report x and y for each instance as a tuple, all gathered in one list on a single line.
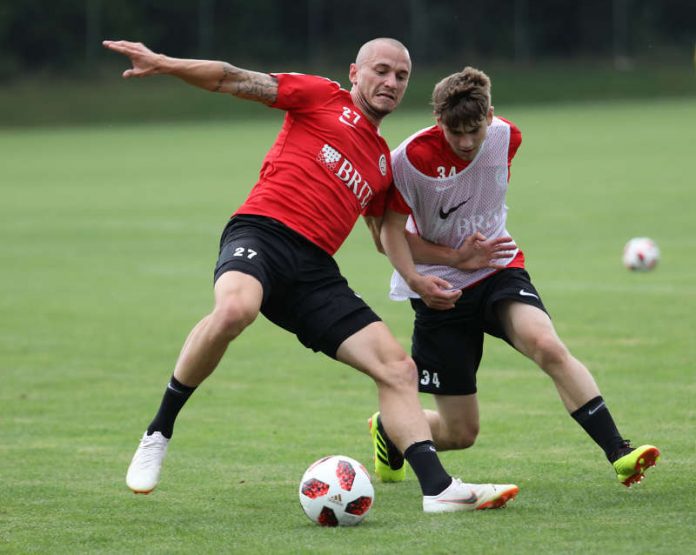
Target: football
[(336, 491), (641, 254)]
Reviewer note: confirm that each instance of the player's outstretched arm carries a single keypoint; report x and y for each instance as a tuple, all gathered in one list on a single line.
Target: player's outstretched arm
[(435, 292), (215, 76), (374, 224), (476, 252)]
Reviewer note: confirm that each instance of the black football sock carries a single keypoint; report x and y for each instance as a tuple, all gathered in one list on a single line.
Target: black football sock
[(596, 420), (174, 398), (433, 478)]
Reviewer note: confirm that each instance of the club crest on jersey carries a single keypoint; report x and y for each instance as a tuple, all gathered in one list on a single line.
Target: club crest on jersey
[(383, 164), (501, 176), (344, 170)]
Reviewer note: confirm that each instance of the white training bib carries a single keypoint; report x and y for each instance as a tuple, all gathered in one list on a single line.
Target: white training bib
[(446, 210)]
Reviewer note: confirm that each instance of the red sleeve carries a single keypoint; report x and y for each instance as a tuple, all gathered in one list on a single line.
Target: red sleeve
[(298, 91), (515, 142), (396, 202), (515, 139), (377, 205)]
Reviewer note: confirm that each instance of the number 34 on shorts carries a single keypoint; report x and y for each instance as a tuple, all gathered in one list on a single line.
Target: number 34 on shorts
[(429, 378)]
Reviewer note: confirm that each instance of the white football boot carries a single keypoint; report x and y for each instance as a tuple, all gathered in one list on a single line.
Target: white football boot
[(459, 496), (144, 470)]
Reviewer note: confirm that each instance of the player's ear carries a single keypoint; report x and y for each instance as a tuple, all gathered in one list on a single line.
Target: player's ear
[(489, 115), (438, 121), (353, 74)]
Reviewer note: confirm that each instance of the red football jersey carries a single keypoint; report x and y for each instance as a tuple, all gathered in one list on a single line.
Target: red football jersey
[(327, 166)]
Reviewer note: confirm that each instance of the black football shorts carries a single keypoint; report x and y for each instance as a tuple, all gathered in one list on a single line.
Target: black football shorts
[(448, 344), (303, 289)]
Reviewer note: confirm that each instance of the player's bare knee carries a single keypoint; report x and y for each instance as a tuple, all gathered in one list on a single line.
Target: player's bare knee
[(230, 317), (399, 374), (550, 353), (464, 438)]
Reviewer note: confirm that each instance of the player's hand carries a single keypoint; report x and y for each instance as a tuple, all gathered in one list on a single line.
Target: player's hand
[(145, 62), (477, 252), (435, 292)]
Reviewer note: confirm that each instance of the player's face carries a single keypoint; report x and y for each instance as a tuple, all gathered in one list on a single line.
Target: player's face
[(466, 140), (380, 79)]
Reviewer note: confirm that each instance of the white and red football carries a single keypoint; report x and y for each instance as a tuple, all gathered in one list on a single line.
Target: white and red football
[(336, 491), (641, 254)]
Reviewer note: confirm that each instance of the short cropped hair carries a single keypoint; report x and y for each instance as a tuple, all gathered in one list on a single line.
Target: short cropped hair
[(462, 98), (369, 45)]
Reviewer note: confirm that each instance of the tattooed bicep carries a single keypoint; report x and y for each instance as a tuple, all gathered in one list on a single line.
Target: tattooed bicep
[(251, 85)]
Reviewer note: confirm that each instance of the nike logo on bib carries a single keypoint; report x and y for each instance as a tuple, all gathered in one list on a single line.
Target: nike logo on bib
[(524, 293), (444, 214)]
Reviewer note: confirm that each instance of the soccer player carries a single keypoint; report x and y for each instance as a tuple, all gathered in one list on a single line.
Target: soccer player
[(328, 165), (451, 181)]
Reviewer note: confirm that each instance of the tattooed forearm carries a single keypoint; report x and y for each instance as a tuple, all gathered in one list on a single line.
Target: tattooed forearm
[(247, 84), (226, 74), (263, 90)]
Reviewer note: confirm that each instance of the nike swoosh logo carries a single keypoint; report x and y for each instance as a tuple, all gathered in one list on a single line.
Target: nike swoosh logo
[(170, 387), (524, 293), (591, 412), (468, 501), (444, 214), (346, 122)]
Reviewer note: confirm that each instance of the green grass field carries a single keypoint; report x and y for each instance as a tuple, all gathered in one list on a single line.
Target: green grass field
[(109, 236)]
